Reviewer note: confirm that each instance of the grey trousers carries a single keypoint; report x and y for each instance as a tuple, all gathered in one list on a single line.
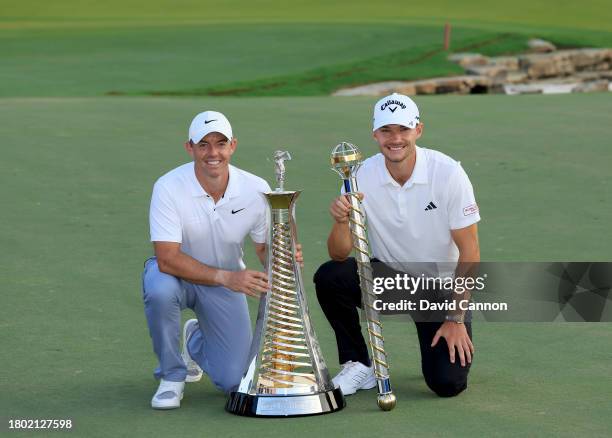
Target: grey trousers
[(222, 343)]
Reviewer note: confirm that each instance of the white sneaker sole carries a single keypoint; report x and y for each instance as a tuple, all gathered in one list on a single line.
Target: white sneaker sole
[(164, 406)]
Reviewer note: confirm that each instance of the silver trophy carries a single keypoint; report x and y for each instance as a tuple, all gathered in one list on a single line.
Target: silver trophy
[(286, 375), (345, 160)]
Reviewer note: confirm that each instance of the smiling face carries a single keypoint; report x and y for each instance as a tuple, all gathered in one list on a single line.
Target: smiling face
[(397, 143), (212, 154)]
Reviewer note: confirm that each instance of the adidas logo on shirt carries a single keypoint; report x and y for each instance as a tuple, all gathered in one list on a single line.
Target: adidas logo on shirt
[(430, 206)]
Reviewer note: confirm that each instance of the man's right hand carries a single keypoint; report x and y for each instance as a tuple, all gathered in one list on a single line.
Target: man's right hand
[(340, 208), (252, 283)]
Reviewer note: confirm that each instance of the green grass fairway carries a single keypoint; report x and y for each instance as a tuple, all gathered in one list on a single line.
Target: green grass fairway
[(76, 48), (77, 170), (590, 14), (75, 181), (93, 61)]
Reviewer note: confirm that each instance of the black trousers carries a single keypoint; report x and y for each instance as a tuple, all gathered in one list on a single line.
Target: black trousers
[(338, 292)]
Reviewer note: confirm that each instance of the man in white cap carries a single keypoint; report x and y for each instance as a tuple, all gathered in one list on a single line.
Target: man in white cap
[(200, 214), (421, 211)]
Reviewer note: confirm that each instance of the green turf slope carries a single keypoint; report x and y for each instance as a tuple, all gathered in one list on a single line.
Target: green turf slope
[(77, 48), (94, 61), (590, 14), (75, 180)]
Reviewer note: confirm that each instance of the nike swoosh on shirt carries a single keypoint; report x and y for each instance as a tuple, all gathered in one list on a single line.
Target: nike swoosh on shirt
[(236, 211)]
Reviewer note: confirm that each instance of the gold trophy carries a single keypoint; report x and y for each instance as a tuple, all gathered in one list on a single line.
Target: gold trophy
[(345, 160), (286, 375)]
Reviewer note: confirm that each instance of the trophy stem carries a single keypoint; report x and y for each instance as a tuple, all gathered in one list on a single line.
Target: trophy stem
[(346, 160), (386, 398)]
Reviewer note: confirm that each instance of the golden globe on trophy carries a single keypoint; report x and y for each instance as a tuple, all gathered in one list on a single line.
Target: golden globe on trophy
[(286, 375)]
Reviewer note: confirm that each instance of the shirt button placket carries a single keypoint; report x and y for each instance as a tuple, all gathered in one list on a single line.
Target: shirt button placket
[(212, 208), (401, 205)]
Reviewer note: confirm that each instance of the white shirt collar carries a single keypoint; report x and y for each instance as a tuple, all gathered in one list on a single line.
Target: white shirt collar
[(233, 186), (419, 173)]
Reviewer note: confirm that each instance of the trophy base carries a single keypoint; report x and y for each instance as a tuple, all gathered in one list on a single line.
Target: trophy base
[(319, 403)]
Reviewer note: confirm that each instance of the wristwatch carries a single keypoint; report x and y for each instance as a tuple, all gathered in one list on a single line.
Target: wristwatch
[(458, 318)]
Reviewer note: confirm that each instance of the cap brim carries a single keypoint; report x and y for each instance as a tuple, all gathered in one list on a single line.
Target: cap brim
[(204, 132), (412, 124)]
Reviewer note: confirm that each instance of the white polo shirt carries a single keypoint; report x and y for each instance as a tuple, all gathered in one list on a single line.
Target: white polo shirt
[(412, 223), (181, 211)]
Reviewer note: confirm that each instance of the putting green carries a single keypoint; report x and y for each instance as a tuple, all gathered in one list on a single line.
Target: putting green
[(76, 176)]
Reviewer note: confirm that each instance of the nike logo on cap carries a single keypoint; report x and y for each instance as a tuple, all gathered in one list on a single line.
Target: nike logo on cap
[(206, 122)]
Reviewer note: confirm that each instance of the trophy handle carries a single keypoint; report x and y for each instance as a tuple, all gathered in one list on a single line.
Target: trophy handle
[(357, 222)]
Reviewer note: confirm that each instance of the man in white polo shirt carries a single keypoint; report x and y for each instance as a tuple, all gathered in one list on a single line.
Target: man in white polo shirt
[(421, 212), (200, 214)]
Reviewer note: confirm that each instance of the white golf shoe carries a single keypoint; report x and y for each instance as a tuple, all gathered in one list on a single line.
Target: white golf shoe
[(194, 372), (354, 376), (168, 395)]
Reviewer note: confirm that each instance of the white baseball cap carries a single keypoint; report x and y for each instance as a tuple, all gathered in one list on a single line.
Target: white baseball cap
[(395, 109), (207, 122)]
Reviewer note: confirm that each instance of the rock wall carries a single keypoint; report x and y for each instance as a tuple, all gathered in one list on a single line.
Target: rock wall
[(544, 70)]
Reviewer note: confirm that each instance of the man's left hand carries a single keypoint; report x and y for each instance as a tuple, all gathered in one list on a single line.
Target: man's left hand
[(456, 338)]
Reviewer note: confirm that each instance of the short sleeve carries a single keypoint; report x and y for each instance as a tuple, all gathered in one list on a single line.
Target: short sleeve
[(259, 233), (164, 219), (462, 207)]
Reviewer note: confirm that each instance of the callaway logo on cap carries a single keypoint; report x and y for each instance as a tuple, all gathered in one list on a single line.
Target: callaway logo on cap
[(395, 109), (207, 122)]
